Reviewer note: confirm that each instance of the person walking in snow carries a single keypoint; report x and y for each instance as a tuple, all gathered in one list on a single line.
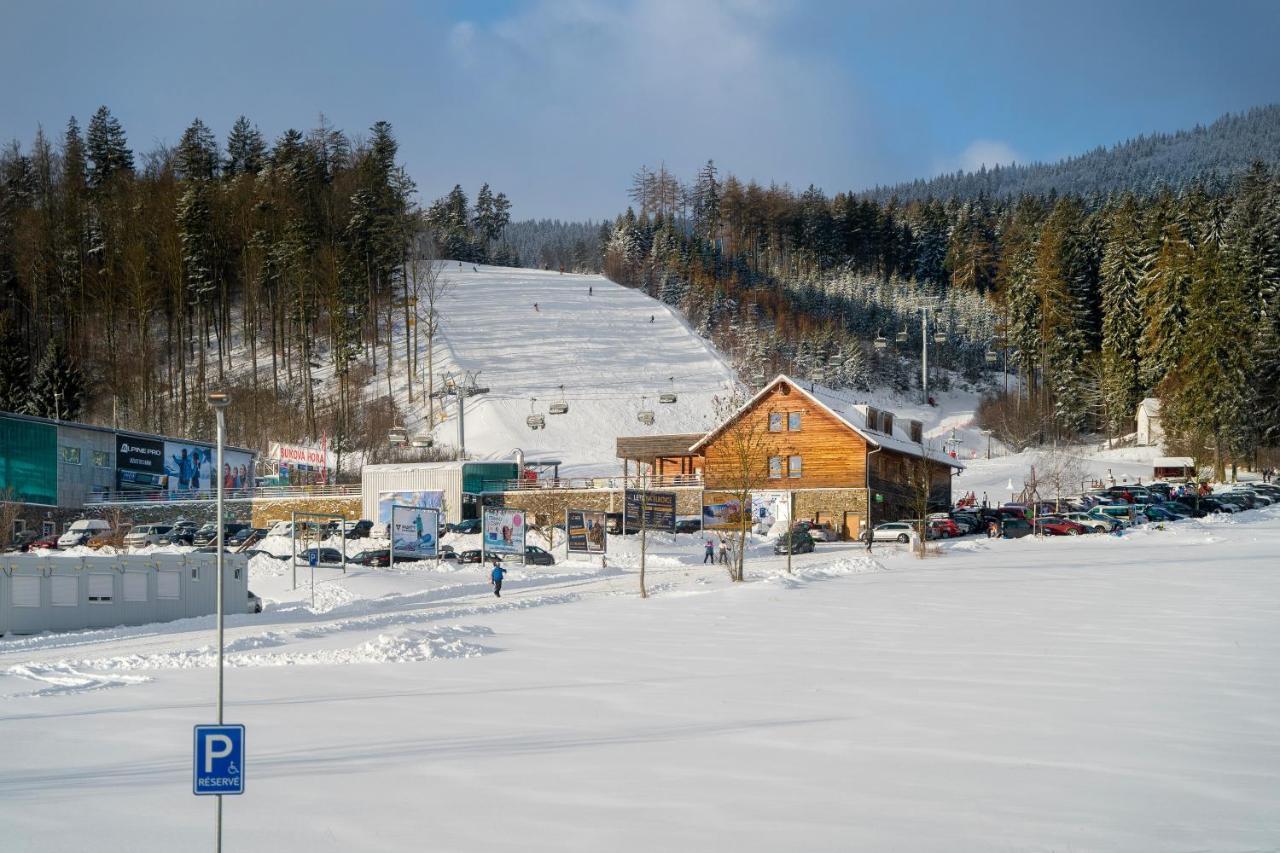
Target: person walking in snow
[(710, 555), (724, 552), (495, 578), (650, 318), (590, 290), (535, 307)]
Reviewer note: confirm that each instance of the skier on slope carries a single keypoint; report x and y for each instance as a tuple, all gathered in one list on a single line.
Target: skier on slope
[(535, 308), (590, 290), (495, 578)]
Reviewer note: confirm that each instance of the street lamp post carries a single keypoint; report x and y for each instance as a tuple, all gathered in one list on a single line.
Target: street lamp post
[(219, 400)]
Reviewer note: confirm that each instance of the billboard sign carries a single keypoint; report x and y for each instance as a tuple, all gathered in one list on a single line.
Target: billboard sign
[(301, 464), (415, 531), (139, 454), (504, 531), (193, 468), (424, 499), (586, 530), (658, 509), (769, 508), (727, 513)]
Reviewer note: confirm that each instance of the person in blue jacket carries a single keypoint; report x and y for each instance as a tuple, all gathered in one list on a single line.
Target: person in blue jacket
[(183, 464), (496, 577)]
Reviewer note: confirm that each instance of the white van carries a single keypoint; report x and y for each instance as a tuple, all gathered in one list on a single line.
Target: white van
[(82, 531)]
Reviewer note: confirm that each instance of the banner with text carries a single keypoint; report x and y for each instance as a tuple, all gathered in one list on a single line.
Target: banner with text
[(586, 530), (657, 508), (504, 531), (415, 531)]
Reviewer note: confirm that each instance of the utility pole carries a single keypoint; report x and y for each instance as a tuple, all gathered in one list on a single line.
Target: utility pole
[(219, 400)]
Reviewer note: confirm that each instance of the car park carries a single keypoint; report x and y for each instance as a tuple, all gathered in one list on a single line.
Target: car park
[(801, 542), (181, 534), (208, 534)]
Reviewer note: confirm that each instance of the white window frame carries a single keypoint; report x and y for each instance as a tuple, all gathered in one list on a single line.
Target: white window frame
[(775, 467), (795, 472)]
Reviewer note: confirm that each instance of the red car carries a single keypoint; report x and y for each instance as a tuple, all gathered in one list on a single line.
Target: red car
[(944, 527), (45, 543), (1055, 526)]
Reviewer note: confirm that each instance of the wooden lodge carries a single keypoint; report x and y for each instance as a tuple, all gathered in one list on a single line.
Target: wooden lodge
[(847, 466)]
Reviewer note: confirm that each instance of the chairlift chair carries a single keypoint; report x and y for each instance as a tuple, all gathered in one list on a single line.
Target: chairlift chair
[(645, 416), (881, 344), (559, 407), (902, 336), (535, 421), (990, 356), (940, 337), (669, 396)]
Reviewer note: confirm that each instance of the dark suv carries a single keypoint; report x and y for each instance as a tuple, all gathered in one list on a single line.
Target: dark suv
[(801, 543)]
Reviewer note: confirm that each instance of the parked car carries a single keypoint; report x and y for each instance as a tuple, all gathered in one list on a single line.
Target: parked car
[(82, 531), (1123, 513), (113, 537), (932, 530), (535, 556), (323, 556), (945, 526), (447, 553), (45, 543), (208, 534), (361, 529), (22, 541), (255, 603), (375, 557), (819, 532), (966, 521), (891, 531), (471, 555), (802, 542), (468, 526), (1092, 523), (1015, 528), (1056, 525), (689, 525), (181, 534), (1155, 512), (146, 534), (242, 536)]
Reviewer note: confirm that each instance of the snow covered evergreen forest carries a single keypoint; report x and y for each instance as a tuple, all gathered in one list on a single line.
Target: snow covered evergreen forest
[(130, 283)]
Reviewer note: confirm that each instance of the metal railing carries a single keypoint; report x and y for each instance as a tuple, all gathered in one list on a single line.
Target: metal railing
[(583, 483), (207, 495)]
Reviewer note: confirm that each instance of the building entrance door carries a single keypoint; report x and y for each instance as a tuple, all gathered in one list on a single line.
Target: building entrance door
[(852, 528)]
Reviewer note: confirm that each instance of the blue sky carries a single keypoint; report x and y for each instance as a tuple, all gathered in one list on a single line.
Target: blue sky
[(558, 103)]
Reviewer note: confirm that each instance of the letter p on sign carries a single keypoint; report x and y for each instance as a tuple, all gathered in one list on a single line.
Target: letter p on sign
[(215, 746)]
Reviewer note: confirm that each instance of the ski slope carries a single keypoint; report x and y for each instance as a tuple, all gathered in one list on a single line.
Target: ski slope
[(611, 360)]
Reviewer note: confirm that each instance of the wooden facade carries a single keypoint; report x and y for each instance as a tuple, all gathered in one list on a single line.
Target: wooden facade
[(789, 427)]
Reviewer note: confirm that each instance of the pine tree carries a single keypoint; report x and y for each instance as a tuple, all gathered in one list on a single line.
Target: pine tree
[(15, 373), (1125, 267), (246, 150), (57, 390), (108, 150)]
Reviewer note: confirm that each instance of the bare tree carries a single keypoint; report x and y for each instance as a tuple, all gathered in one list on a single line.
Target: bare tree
[(10, 510), (429, 289), (741, 465), (920, 484), (1061, 473)]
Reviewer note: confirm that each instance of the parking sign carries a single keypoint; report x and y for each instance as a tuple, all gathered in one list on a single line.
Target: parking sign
[(218, 766)]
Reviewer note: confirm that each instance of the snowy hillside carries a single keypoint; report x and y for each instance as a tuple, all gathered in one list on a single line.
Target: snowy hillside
[(592, 337)]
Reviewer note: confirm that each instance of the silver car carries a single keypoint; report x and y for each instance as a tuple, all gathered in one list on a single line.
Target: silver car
[(146, 534), (891, 531)]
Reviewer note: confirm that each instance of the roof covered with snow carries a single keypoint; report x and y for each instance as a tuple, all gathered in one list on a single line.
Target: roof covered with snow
[(1173, 462), (853, 416), (1150, 406)]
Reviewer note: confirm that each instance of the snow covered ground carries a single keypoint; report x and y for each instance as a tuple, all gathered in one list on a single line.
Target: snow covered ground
[(589, 335), (1091, 693)]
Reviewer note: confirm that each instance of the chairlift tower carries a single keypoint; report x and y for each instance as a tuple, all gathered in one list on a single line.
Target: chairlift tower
[(460, 386)]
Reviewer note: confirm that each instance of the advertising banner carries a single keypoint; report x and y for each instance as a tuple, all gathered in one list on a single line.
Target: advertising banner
[(415, 531), (422, 499), (769, 508), (504, 531), (193, 468), (725, 513), (586, 530), (140, 464), (659, 510), (301, 464)]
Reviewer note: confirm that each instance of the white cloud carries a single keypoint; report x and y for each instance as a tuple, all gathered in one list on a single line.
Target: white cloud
[(980, 153)]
